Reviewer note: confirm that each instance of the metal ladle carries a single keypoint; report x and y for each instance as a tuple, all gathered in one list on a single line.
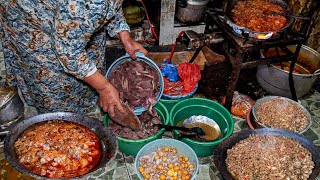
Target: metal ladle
[(285, 15)]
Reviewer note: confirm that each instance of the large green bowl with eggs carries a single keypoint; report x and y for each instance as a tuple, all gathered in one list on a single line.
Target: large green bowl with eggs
[(132, 147), (201, 106)]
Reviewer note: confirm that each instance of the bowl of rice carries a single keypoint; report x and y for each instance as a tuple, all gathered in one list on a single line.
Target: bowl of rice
[(281, 113)]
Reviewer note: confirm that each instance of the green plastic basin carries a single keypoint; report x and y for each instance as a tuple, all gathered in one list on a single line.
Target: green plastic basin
[(132, 147), (200, 106), (169, 103)]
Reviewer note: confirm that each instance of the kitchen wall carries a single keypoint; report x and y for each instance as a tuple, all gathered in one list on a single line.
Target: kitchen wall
[(308, 8)]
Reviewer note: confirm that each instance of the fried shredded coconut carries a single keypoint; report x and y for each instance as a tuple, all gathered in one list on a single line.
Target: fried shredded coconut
[(282, 114), (269, 157), (58, 149)]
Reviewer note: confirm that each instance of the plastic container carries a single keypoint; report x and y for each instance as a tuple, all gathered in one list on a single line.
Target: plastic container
[(181, 147), (200, 106), (131, 147), (169, 103), (140, 57)]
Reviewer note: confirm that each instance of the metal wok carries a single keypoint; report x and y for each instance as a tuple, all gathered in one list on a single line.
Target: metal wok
[(108, 141), (245, 32), (220, 153)]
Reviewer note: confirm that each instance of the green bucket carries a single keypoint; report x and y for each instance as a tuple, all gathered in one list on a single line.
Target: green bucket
[(132, 147), (169, 103), (200, 106)]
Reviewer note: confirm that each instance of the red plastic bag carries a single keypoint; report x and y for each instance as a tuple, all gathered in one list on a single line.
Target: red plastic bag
[(190, 75), (241, 104)]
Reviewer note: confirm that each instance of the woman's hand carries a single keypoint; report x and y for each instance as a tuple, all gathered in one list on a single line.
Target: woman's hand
[(109, 100), (130, 45), (108, 95)]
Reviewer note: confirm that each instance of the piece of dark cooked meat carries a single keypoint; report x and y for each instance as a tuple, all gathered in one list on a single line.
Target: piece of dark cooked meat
[(127, 118)]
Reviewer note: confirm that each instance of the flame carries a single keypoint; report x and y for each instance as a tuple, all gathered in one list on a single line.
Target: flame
[(261, 36), (264, 36)]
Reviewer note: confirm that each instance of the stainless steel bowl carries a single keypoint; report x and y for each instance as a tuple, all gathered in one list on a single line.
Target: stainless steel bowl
[(11, 105), (259, 101)]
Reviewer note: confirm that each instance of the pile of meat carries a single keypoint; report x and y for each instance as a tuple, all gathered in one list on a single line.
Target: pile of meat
[(269, 157), (137, 82), (148, 127)]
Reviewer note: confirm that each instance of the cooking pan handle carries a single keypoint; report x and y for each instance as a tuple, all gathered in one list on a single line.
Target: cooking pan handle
[(216, 11), (3, 133), (182, 3), (316, 73)]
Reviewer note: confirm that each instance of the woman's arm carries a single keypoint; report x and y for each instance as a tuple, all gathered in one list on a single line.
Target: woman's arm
[(75, 22), (118, 26)]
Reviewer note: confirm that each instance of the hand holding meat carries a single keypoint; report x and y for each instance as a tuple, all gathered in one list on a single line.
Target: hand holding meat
[(109, 100)]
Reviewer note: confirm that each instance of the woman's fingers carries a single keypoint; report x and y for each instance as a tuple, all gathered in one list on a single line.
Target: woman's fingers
[(119, 107), (111, 110)]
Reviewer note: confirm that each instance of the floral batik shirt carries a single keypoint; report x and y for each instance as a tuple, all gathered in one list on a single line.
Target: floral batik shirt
[(51, 45)]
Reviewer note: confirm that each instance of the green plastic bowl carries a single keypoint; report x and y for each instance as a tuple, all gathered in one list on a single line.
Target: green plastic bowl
[(169, 103), (132, 147), (200, 106)]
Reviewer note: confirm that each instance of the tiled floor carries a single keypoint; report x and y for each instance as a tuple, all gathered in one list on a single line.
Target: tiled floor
[(122, 167)]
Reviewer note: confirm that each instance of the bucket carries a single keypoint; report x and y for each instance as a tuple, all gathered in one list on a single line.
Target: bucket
[(140, 57), (200, 106), (275, 80), (132, 147)]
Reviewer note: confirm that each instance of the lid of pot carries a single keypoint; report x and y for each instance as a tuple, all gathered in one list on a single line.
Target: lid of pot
[(6, 94)]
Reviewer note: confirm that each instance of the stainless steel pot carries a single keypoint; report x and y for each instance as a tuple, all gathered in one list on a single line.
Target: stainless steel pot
[(11, 105), (276, 80), (191, 11)]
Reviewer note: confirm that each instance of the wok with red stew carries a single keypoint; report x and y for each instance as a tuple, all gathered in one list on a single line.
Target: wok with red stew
[(259, 19)]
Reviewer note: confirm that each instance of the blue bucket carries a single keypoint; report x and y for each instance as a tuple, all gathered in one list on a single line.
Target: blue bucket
[(140, 57)]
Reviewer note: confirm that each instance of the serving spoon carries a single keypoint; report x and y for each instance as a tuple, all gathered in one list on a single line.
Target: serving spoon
[(197, 130), (285, 15)]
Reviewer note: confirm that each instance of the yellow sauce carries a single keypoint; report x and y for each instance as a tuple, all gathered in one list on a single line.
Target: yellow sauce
[(211, 133)]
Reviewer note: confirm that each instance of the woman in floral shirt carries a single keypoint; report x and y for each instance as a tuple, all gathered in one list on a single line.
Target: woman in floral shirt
[(54, 51)]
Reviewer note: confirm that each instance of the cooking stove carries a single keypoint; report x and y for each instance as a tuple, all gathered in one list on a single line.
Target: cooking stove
[(245, 52)]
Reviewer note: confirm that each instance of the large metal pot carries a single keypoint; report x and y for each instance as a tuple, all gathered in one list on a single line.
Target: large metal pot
[(191, 11), (11, 105), (108, 140), (276, 80)]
